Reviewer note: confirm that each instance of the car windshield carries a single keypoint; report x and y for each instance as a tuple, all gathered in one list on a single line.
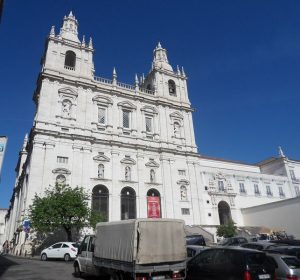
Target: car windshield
[(255, 259), (292, 263)]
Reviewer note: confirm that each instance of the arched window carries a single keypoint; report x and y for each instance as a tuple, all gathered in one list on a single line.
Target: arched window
[(172, 87), (153, 192), (61, 179), (152, 176), (128, 203), (100, 199), (177, 129), (70, 60), (224, 213), (66, 108), (127, 173), (183, 193), (101, 171)]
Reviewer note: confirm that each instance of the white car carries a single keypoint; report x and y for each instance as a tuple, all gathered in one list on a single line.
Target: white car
[(61, 250)]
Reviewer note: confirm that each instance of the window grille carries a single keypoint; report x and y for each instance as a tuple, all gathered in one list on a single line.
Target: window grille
[(181, 172), (242, 188), (256, 189), (185, 211), (269, 193), (63, 160), (126, 119), (281, 193), (221, 186), (148, 124), (101, 115)]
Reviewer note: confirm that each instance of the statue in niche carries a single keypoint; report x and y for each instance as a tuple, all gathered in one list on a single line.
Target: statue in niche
[(66, 108), (176, 130), (152, 176), (127, 173), (183, 193), (100, 171)]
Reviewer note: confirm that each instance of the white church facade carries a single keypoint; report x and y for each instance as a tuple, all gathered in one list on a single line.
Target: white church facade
[(132, 147)]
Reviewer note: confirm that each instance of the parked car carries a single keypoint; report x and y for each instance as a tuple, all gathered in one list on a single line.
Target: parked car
[(234, 263), (193, 250), (261, 245), (196, 239), (61, 250), (291, 242), (286, 250), (233, 241), (287, 267)]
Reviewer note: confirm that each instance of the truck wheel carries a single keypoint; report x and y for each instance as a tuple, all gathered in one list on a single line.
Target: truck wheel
[(67, 257), (77, 272)]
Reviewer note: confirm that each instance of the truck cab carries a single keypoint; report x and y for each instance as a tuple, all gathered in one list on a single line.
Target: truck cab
[(84, 261)]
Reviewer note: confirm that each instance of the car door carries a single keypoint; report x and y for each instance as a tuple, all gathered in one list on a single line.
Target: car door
[(65, 249), (201, 266), (55, 251), (91, 269)]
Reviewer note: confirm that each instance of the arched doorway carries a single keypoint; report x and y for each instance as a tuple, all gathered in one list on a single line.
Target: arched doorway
[(100, 201), (153, 203), (128, 203), (224, 213)]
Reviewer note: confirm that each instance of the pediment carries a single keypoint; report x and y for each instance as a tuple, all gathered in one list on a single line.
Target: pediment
[(126, 104), (102, 100), (149, 109), (67, 91), (101, 157), (152, 163), (183, 182), (176, 115), (128, 160), (61, 171)]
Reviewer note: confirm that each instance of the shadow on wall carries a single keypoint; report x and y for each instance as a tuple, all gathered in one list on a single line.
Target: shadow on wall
[(5, 263)]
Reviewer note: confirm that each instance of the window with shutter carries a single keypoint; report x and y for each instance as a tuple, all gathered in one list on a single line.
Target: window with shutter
[(126, 119), (148, 124), (101, 115)]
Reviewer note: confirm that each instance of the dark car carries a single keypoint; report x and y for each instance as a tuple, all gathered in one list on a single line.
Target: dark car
[(196, 239), (291, 242), (261, 245), (234, 263), (233, 241), (286, 250)]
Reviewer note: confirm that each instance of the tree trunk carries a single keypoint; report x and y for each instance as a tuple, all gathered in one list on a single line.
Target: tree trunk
[(69, 234)]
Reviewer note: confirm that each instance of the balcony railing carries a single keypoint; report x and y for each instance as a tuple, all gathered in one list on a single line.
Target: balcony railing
[(70, 68), (122, 85)]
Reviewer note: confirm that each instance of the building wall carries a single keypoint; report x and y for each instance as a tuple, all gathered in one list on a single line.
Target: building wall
[(2, 226), (280, 215)]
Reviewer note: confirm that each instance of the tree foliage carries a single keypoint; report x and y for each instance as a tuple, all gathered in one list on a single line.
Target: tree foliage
[(227, 230), (62, 207)]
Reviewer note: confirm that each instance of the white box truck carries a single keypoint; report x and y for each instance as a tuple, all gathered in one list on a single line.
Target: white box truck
[(140, 249)]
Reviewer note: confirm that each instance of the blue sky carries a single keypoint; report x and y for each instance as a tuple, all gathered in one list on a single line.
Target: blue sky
[(242, 59)]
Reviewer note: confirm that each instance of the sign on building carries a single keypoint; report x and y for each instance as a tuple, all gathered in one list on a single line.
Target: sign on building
[(153, 206)]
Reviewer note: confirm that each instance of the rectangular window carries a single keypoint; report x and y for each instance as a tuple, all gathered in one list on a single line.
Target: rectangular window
[(256, 190), (181, 172), (185, 211), (221, 186), (148, 121), (242, 188), (101, 115), (297, 191), (269, 193), (63, 160), (126, 119), (292, 173), (281, 193)]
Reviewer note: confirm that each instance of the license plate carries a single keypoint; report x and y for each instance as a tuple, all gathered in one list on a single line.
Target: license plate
[(158, 277), (264, 276)]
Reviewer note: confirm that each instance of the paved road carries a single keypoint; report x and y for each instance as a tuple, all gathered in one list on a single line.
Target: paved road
[(13, 268)]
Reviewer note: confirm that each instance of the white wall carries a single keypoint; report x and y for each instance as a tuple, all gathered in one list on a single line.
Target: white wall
[(278, 215)]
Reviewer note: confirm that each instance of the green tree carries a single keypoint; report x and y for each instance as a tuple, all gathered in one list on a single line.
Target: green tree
[(227, 230), (62, 207)]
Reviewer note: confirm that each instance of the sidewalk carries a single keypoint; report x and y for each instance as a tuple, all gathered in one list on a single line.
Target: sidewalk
[(29, 257)]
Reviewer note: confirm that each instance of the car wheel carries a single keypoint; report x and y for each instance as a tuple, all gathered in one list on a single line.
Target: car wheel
[(77, 272), (43, 257), (67, 257)]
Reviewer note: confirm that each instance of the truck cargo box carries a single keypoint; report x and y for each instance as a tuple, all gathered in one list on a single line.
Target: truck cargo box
[(142, 241)]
